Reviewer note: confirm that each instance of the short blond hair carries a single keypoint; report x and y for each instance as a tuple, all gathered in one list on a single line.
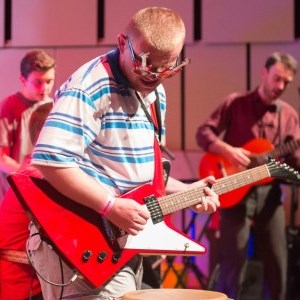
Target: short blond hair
[(160, 27)]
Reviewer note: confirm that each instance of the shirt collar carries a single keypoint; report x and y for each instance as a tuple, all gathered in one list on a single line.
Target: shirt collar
[(113, 59)]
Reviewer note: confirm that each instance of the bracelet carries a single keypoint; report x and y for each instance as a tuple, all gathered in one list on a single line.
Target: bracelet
[(108, 205)]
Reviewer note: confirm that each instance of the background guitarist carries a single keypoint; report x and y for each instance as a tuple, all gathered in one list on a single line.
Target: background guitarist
[(100, 141), (239, 119)]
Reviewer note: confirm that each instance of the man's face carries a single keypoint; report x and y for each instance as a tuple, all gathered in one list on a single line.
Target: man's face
[(275, 81), (153, 64), (38, 85)]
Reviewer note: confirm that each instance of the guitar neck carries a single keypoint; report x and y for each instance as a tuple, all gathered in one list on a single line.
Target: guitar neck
[(280, 151), (178, 201)]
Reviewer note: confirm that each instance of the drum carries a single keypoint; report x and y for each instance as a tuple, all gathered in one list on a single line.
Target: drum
[(173, 294)]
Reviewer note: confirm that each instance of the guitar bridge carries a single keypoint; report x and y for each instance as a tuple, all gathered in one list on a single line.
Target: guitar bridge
[(154, 209)]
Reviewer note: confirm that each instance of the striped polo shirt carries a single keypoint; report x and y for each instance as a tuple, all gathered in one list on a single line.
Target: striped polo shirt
[(98, 125)]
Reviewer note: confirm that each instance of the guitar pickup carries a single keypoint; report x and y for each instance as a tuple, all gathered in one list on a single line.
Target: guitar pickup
[(154, 209)]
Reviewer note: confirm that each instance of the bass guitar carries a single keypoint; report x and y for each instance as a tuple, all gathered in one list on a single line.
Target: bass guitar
[(219, 166), (95, 248)]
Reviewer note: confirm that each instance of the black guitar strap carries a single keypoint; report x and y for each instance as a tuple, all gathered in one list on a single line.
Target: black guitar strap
[(278, 133), (279, 123), (166, 166), (158, 115), (158, 126)]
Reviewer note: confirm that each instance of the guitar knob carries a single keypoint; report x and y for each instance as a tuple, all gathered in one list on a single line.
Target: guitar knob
[(116, 257), (86, 255), (102, 256)]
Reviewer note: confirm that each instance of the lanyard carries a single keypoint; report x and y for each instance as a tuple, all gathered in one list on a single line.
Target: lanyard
[(157, 115), (158, 179)]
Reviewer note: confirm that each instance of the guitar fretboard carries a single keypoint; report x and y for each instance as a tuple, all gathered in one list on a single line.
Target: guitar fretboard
[(177, 201), (280, 151)]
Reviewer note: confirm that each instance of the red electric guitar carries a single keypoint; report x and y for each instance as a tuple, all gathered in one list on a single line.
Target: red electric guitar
[(95, 248), (219, 166)]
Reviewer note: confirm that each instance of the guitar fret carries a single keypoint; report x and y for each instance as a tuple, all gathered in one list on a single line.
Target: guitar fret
[(284, 149), (227, 184), (184, 199)]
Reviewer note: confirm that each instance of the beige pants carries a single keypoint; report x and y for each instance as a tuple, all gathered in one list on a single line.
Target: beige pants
[(53, 270)]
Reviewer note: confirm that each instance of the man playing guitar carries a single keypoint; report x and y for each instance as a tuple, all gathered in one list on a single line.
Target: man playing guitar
[(240, 119), (100, 142)]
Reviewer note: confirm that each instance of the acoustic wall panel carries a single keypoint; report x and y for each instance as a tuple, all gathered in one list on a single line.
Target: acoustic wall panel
[(118, 13), (173, 120), (260, 52), (10, 71), (2, 17), (247, 21), (54, 23), (215, 72)]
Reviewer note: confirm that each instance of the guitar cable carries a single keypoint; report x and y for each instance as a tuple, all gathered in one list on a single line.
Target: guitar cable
[(28, 252)]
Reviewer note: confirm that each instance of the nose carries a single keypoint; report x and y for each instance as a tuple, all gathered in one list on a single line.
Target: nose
[(281, 85), (44, 87)]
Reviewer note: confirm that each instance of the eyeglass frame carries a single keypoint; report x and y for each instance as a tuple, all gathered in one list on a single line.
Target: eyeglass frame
[(141, 68)]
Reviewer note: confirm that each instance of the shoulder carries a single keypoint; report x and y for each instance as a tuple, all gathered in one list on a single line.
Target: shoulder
[(286, 107), (237, 99), (161, 92), (239, 96), (89, 77), (10, 104), (9, 100), (83, 72)]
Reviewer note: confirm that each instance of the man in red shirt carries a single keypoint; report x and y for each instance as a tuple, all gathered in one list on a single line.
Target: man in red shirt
[(32, 104), (37, 74), (256, 116)]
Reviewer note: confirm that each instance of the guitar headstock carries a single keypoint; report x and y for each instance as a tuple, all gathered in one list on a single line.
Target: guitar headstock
[(283, 171)]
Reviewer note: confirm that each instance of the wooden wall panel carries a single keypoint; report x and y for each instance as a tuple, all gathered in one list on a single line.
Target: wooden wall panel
[(1, 23), (115, 23), (173, 120), (248, 21), (10, 71), (49, 23), (215, 71)]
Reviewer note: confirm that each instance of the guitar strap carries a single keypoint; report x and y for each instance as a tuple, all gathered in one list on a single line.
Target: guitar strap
[(279, 123), (155, 119), (278, 133)]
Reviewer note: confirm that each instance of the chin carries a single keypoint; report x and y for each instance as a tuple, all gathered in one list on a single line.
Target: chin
[(150, 86)]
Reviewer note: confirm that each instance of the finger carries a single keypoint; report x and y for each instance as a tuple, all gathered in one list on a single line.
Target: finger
[(133, 231), (210, 192), (143, 212), (210, 180), (203, 203), (140, 221), (213, 208)]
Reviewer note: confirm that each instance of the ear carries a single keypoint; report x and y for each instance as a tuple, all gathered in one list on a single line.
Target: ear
[(23, 79), (121, 42), (263, 73)]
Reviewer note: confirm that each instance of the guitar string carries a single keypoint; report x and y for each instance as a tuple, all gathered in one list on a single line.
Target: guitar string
[(176, 201)]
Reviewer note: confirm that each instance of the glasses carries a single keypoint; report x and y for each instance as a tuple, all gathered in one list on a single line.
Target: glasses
[(141, 68)]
